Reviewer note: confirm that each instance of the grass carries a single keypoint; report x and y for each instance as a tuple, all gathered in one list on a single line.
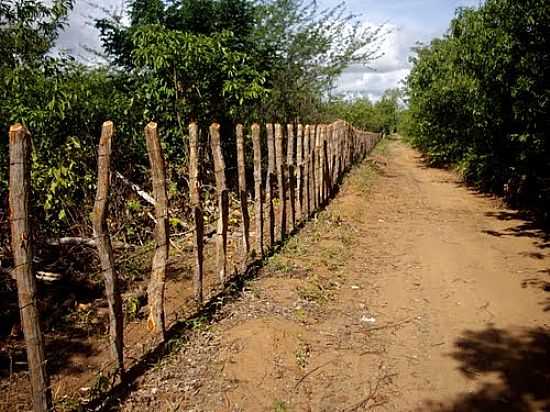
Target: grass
[(302, 354), (279, 406), (362, 177), (281, 264), (315, 290), (382, 147), (67, 404), (300, 314)]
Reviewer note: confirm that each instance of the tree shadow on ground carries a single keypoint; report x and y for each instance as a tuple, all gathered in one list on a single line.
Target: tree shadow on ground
[(513, 370), (524, 224)]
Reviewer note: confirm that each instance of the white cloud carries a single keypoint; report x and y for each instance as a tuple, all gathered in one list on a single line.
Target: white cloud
[(411, 21), (386, 72)]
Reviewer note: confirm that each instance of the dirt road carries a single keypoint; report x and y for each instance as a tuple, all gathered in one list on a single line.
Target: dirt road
[(409, 292)]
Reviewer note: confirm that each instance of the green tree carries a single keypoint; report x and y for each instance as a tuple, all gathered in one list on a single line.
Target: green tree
[(382, 116), (28, 30), (304, 48), (480, 98)]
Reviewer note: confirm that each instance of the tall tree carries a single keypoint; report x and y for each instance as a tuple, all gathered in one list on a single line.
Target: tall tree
[(305, 48)]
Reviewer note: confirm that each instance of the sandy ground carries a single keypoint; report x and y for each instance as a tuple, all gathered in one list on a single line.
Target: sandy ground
[(408, 293)]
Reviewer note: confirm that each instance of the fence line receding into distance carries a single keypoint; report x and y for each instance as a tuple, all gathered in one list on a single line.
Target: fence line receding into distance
[(304, 163)]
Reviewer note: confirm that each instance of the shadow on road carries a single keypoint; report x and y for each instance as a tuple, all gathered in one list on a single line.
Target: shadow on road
[(523, 225), (526, 225), (515, 370)]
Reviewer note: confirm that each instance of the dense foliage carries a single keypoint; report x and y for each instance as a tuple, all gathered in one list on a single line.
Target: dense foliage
[(171, 62), (480, 99), (381, 116)]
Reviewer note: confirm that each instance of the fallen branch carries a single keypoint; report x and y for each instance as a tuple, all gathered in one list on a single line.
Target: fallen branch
[(372, 395), (48, 276), (312, 371), (71, 241), (40, 275), (138, 190), (390, 325), (82, 241)]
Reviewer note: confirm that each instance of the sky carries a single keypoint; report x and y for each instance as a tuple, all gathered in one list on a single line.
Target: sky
[(408, 22)]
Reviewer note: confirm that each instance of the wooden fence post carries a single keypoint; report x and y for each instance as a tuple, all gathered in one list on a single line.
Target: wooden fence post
[(340, 151), (319, 160), (313, 167), (281, 180), (300, 169), (291, 174), (350, 146), (342, 148), (334, 158), (21, 244), (104, 249), (270, 182), (336, 170), (325, 190), (330, 153), (157, 284), (223, 200), (345, 147), (243, 195), (195, 197), (307, 172), (258, 190)]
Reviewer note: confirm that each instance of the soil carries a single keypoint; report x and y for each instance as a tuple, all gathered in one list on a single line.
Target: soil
[(408, 293)]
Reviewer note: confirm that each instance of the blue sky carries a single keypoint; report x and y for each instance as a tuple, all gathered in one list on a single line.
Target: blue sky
[(409, 21)]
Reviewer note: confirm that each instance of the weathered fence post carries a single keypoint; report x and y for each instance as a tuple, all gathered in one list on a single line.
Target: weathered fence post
[(330, 153), (104, 249), (243, 196), (307, 172), (281, 181), (320, 167), (348, 146), (157, 284), (334, 159), (21, 244), (313, 167), (258, 190), (195, 197), (223, 200), (291, 174), (270, 182), (300, 169), (345, 148), (325, 191), (338, 151)]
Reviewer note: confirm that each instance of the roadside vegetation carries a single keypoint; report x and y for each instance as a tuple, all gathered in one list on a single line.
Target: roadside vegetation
[(479, 99)]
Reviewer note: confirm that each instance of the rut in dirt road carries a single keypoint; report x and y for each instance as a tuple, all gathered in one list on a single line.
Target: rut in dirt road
[(409, 292)]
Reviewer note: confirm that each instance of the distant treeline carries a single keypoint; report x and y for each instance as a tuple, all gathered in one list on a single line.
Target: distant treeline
[(384, 115), (479, 99)]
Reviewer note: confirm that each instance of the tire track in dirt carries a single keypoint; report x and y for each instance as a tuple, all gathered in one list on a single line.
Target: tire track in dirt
[(408, 293)]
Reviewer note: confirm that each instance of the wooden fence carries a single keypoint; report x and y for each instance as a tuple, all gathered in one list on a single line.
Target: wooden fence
[(304, 168)]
